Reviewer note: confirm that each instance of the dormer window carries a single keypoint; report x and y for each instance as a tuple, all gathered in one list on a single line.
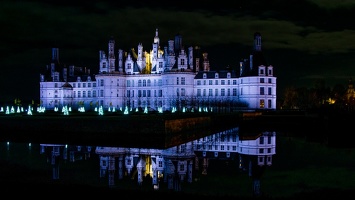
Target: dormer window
[(262, 71), (270, 71), (228, 75), (204, 75), (216, 75)]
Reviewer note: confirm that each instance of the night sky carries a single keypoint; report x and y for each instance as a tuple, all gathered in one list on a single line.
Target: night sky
[(305, 40)]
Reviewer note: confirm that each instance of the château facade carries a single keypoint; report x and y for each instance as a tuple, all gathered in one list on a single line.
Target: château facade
[(172, 78)]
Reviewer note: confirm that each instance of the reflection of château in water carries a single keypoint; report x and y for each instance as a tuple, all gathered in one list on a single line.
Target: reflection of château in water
[(160, 79), (175, 165)]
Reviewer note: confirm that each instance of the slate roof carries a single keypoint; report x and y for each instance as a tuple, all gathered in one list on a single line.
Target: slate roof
[(211, 74)]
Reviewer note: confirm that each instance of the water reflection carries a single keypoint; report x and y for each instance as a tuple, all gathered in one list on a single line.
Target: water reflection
[(171, 167)]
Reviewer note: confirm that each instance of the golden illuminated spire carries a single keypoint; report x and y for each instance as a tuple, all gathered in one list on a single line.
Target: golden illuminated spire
[(135, 56)]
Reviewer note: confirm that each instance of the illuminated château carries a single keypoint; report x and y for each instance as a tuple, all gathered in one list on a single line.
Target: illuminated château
[(172, 78)]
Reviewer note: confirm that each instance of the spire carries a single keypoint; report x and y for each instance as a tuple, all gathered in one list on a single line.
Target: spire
[(156, 38)]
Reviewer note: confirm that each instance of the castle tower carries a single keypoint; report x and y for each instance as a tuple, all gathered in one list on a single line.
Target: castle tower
[(120, 60), (178, 43), (140, 60), (155, 46), (111, 55), (55, 55), (190, 61), (257, 41), (156, 38), (103, 61), (55, 61), (206, 62)]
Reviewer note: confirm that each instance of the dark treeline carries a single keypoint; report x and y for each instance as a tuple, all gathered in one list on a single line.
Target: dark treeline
[(340, 97)]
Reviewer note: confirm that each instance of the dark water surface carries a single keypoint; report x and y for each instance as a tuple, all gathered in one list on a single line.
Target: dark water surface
[(300, 169)]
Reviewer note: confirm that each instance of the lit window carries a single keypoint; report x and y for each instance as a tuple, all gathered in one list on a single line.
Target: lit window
[(262, 103)]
